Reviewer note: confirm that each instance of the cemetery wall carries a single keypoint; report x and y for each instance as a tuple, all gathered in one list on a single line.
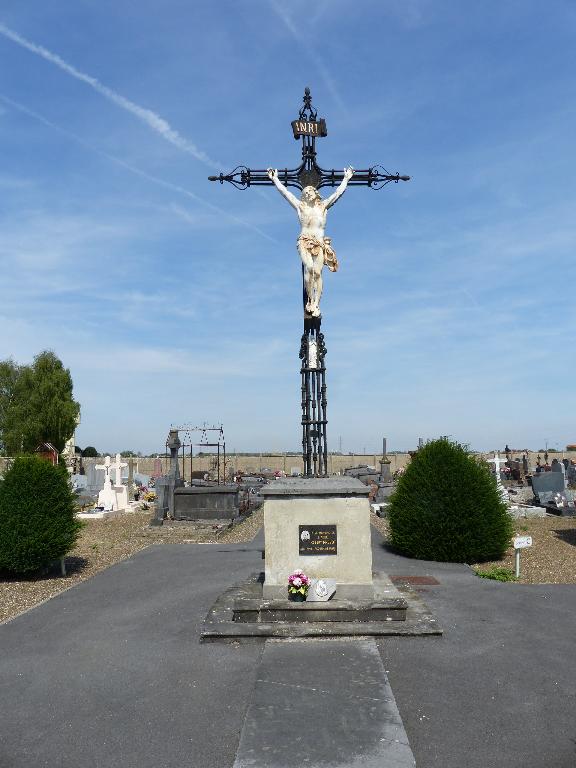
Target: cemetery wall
[(258, 462)]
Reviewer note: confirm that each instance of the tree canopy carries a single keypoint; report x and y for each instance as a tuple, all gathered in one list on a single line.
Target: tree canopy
[(36, 404), (447, 507), (37, 522)]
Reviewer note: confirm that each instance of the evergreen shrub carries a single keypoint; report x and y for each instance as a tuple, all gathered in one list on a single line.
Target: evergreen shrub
[(37, 523), (447, 507)]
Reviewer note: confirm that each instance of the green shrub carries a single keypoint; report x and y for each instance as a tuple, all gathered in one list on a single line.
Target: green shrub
[(498, 574), (37, 523), (447, 507)]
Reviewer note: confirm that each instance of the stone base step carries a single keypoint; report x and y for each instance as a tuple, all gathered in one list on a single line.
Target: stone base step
[(391, 609), (240, 613)]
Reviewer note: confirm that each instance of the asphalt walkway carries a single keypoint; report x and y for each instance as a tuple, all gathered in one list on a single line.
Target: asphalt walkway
[(111, 673)]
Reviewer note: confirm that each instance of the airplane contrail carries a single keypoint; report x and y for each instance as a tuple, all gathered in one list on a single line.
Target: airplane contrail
[(147, 116), (133, 169)]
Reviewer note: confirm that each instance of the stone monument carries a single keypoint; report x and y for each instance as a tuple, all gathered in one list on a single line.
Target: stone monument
[(106, 497), (166, 484), (319, 524), (112, 498), (498, 462), (385, 473)]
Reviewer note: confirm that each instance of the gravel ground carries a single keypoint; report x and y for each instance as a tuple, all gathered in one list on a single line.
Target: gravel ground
[(551, 559), (105, 542)]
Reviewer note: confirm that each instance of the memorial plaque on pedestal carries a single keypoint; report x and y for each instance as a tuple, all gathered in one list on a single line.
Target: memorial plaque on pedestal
[(317, 540), (321, 590)]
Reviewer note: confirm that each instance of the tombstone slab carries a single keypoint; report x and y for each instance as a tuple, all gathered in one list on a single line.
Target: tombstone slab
[(547, 482)]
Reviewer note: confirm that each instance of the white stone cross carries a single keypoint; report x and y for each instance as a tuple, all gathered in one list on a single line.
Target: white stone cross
[(106, 467), (117, 467), (106, 497), (498, 462)]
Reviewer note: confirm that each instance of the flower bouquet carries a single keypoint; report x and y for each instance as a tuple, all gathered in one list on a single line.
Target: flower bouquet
[(298, 585)]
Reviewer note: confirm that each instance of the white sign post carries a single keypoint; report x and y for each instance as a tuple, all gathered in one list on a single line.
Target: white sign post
[(520, 542)]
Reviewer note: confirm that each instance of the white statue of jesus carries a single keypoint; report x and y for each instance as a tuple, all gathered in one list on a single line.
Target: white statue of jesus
[(314, 248)]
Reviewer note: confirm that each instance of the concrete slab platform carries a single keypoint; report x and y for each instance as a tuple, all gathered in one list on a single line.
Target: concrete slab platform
[(224, 624)]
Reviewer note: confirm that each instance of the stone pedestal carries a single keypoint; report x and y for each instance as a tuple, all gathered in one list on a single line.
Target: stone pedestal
[(385, 472), (321, 525)]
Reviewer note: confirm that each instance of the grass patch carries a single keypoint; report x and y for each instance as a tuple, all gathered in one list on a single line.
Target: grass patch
[(497, 574)]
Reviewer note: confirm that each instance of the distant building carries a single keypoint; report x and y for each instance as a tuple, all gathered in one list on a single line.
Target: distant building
[(48, 452)]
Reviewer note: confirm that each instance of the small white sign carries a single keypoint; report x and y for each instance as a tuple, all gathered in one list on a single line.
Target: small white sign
[(522, 541)]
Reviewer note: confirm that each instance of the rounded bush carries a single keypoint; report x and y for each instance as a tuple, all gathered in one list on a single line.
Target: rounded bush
[(447, 507), (37, 523)]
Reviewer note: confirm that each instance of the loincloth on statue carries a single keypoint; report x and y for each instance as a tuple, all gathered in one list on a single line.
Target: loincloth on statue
[(317, 247)]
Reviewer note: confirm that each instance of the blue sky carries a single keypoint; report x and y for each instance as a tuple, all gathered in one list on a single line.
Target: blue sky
[(172, 299)]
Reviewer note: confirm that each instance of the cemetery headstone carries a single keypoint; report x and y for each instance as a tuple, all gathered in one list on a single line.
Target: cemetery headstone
[(498, 463), (547, 482), (107, 496), (131, 478)]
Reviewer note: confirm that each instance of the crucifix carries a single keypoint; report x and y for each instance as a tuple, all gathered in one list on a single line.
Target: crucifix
[(316, 252)]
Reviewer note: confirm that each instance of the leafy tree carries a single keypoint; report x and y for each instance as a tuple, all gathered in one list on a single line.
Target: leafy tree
[(39, 406), (90, 452), (447, 507), (9, 372), (127, 454), (37, 523)]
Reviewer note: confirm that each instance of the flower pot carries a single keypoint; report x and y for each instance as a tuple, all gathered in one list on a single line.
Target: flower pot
[(296, 597)]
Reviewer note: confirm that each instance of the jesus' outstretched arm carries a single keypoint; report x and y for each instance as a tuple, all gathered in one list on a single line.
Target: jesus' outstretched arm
[(348, 173), (292, 199)]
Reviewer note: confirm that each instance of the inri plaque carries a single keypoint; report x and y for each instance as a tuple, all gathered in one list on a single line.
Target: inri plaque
[(317, 540)]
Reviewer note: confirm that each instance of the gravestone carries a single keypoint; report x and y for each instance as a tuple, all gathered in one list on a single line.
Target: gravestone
[(119, 489), (556, 466), (547, 482), (217, 502), (498, 462), (167, 484), (95, 479), (131, 479), (107, 496)]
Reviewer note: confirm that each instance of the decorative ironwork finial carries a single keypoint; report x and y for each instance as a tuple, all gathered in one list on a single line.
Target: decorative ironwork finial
[(308, 112)]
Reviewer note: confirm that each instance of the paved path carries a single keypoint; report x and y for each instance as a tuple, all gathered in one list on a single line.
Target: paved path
[(111, 673), (323, 704)]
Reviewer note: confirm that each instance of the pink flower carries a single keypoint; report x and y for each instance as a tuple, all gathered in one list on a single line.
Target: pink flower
[(297, 581)]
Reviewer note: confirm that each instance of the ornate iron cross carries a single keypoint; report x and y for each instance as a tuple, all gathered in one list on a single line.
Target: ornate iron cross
[(309, 173), (309, 127)]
